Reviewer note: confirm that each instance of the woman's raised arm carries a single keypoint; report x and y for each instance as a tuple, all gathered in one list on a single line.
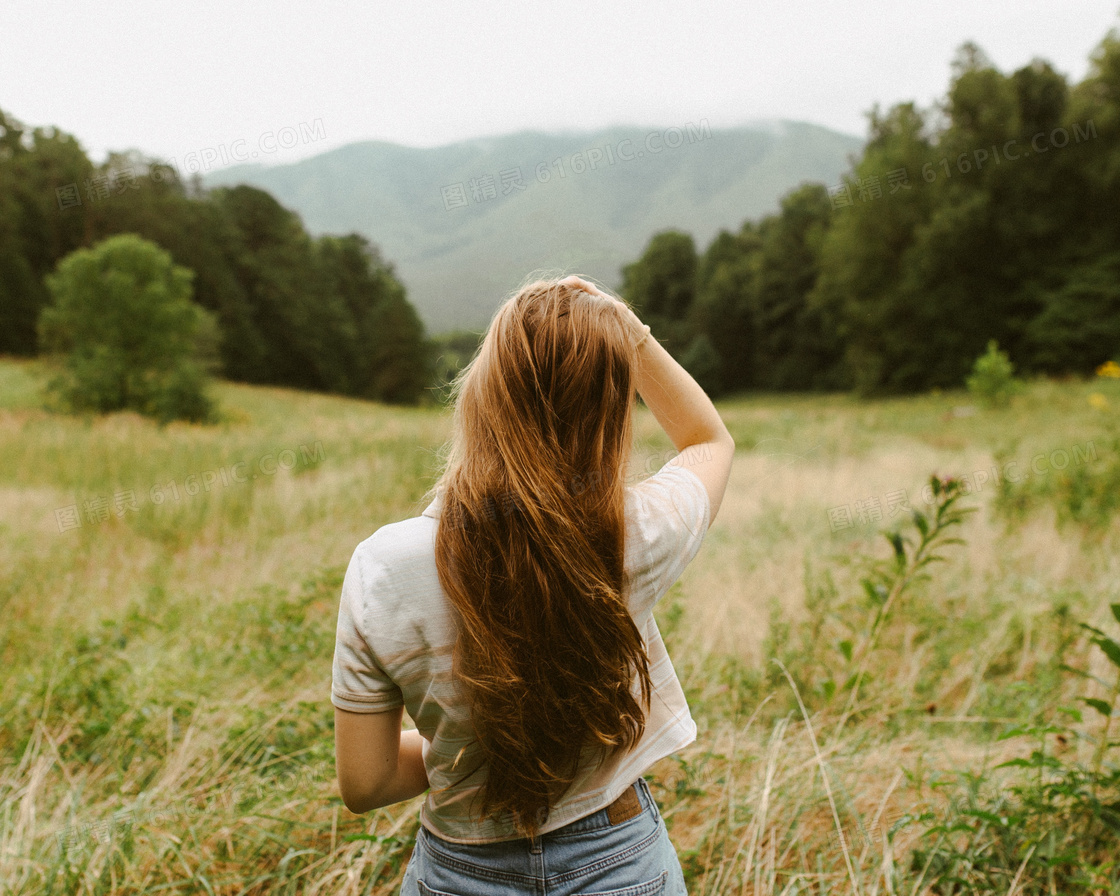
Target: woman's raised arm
[(681, 407)]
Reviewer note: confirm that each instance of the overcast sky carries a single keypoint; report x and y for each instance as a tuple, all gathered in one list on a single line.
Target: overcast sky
[(175, 78)]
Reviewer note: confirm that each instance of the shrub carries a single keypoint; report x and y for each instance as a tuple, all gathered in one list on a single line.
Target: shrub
[(127, 334), (991, 381)]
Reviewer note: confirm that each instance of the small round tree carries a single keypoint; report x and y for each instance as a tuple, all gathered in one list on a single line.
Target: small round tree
[(992, 381), (127, 334)]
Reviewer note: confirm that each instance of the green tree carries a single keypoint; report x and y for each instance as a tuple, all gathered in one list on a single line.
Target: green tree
[(918, 278), (998, 225), (703, 363), (992, 380), (20, 289), (382, 337), (127, 334), (723, 309), (272, 261), (1078, 296), (400, 357), (867, 252), (661, 286), (199, 236), (796, 347), (1078, 327), (36, 227)]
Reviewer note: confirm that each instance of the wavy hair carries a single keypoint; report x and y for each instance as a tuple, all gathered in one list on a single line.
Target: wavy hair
[(530, 545)]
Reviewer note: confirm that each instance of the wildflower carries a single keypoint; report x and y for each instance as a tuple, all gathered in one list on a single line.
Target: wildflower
[(1109, 369), (1098, 401)]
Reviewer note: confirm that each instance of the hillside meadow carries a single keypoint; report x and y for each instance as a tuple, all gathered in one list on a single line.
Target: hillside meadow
[(168, 600)]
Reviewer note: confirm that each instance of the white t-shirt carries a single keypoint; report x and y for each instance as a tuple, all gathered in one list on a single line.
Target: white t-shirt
[(395, 636)]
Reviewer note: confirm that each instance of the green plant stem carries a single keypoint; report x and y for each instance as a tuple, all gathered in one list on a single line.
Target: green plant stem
[(905, 572), (869, 646), (1102, 747)]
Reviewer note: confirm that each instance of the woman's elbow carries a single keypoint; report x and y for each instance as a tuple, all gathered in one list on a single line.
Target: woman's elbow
[(359, 801), (352, 798), (360, 796), (353, 802)]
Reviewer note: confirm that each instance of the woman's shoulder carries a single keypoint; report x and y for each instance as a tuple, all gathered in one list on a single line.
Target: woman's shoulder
[(674, 491), (397, 556), (403, 534), (667, 518)]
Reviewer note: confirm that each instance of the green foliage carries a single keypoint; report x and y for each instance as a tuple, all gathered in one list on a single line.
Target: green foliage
[(1055, 830), (1042, 823), (992, 381), (400, 366), (127, 333), (1086, 492), (661, 286), (740, 316), (866, 255), (34, 236), (325, 313), (991, 221), (725, 276), (796, 345), (702, 361), (1078, 325), (1088, 495), (451, 353), (911, 552)]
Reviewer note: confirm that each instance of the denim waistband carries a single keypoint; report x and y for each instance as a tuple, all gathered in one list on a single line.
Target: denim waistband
[(588, 855), (598, 820)]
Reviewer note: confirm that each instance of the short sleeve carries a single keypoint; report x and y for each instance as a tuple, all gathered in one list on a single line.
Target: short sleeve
[(669, 516), (359, 683)]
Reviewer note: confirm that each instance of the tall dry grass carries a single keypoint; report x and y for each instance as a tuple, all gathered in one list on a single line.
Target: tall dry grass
[(165, 723)]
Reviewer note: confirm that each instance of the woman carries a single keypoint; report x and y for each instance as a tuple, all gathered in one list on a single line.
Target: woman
[(514, 617)]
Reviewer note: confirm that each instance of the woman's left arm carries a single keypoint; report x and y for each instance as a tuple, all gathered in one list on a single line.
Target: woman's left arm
[(377, 763)]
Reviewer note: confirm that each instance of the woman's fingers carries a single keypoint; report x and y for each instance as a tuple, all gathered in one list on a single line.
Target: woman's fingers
[(580, 283), (635, 322)]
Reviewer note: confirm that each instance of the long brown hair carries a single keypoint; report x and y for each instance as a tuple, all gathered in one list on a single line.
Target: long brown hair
[(530, 544)]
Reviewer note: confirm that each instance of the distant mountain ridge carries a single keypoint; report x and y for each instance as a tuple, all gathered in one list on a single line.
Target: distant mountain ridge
[(462, 233)]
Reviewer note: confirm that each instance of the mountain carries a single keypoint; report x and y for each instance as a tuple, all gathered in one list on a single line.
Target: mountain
[(462, 235)]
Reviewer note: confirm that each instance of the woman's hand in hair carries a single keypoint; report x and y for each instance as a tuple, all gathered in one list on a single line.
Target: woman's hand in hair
[(634, 321)]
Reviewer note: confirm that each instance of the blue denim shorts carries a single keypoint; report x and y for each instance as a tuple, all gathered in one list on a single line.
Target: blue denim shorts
[(587, 857)]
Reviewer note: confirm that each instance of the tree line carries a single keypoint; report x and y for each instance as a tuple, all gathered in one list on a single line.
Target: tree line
[(324, 313), (993, 216)]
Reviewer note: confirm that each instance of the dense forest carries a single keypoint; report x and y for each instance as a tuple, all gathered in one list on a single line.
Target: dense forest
[(991, 216), (994, 216), (326, 313)]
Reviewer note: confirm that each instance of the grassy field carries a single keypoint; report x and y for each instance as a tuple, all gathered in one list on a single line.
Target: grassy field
[(169, 597)]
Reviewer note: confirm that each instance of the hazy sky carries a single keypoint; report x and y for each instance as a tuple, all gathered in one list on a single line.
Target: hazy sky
[(242, 77)]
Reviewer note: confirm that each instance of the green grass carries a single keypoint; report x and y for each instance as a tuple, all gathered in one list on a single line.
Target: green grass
[(165, 723)]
